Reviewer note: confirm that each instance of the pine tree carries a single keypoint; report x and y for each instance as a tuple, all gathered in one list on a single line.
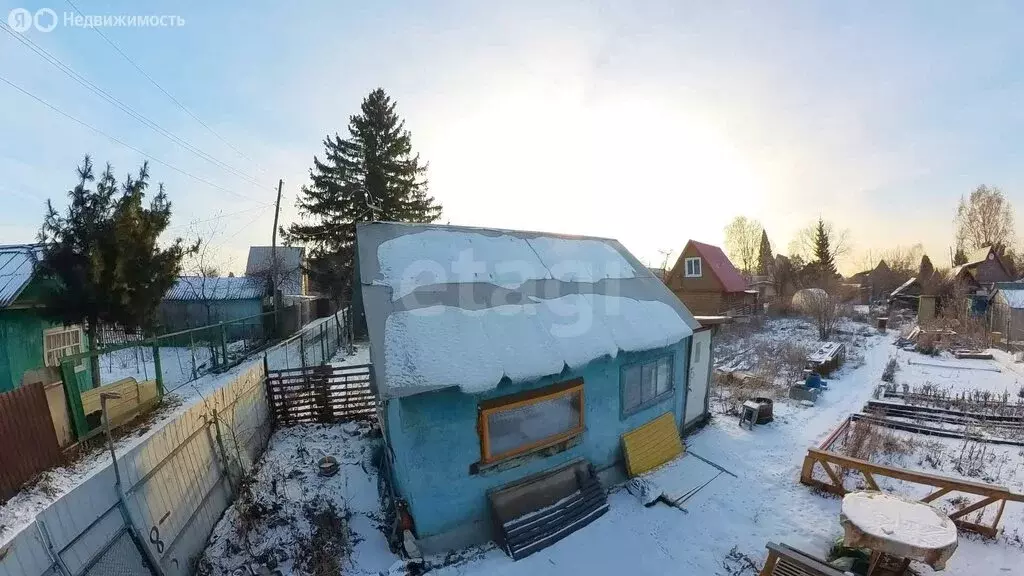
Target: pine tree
[(925, 270), (960, 256), (765, 260), (823, 256), (102, 263), (371, 175)]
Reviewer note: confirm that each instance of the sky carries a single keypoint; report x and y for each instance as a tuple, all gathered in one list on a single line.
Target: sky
[(652, 122)]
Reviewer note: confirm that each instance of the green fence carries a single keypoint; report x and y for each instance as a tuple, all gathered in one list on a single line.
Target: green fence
[(178, 359)]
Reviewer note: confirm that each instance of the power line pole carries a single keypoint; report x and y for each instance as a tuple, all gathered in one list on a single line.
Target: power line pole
[(273, 258)]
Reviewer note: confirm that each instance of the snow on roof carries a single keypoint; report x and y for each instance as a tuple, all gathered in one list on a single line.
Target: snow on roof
[(518, 305), (1014, 298), (475, 349), (17, 266), (902, 287), (289, 261), (215, 288), (412, 261), (727, 274)]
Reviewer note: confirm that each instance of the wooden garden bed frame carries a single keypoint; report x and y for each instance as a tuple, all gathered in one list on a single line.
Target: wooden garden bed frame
[(835, 465)]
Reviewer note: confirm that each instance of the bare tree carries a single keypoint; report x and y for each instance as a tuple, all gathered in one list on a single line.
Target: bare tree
[(824, 308), (805, 242), (985, 218), (743, 242)]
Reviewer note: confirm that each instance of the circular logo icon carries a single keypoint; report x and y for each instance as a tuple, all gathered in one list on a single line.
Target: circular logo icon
[(20, 19), (45, 20)]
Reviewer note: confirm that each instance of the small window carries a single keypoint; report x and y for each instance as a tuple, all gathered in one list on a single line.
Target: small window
[(522, 423), (693, 267), (645, 384), (61, 342)]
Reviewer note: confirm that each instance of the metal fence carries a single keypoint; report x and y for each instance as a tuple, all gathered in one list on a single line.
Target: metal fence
[(28, 443), (315, 344)]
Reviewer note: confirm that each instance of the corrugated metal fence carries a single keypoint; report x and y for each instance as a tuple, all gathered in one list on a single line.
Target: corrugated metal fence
[(28, 444), (176, 484)]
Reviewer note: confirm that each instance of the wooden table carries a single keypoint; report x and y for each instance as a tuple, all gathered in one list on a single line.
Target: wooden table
[(894, 528)]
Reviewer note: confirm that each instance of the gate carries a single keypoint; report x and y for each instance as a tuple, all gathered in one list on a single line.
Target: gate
[(321, 394)]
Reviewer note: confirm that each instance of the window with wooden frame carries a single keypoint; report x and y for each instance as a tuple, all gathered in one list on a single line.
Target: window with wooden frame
[(60, 342), (521, 423), (645, 384), (693, 267)]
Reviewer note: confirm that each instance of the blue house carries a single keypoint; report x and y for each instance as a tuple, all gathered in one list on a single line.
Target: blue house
[(500, 356)]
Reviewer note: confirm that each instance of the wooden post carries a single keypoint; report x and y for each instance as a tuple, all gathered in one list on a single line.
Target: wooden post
[(74, 398), (158, 372), (224, 345), (323, 345)]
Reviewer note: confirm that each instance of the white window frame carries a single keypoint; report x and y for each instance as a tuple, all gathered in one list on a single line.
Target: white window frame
[(697, 271), (69, 348)]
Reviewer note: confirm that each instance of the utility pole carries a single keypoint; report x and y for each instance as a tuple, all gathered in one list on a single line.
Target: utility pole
[(273, 258)]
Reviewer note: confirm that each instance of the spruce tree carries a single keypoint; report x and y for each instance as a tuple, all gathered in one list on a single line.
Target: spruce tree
[(960, 256), (101, 262), (925, 270), (371, 175), (823, 256), (765, 260)]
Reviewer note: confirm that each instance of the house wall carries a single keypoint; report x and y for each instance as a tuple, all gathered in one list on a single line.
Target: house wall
[(177, 315), (703, 295), (678, 282), (21, 345), (435, 441), (991, 271)]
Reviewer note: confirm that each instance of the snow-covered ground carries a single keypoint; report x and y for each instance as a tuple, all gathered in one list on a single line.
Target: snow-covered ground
[(291, 508), (726, 523), (21, 509)]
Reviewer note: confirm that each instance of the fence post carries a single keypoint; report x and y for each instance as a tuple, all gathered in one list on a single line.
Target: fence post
[(302, 349), (224, 345), (323, 345), (225, 462), (74, 398), (159, 373)]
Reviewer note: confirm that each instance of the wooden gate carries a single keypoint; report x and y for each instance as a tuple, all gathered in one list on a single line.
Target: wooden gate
[(321, 394), (28, 444)]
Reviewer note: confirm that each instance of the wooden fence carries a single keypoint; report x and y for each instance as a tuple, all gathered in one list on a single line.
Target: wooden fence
[(28, 444), (836, 465), (320, 394)]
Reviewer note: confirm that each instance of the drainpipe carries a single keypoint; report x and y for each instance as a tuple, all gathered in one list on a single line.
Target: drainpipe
[(122, 505)]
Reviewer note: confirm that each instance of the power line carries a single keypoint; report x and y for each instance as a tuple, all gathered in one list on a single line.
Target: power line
[(166, 93), (218, 217), (123, 143), (81, 80)]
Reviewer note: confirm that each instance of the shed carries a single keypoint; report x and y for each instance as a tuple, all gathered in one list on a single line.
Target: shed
[(196, 301), (1007, 310), (502, 357), (292, 278), (31, 344), (708, 284)]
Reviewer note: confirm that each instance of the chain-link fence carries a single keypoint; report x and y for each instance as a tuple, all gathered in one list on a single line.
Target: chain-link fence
[(315, 344)]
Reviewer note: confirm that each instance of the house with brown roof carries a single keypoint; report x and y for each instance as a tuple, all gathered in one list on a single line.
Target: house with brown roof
[(708, 283), (983, 267)]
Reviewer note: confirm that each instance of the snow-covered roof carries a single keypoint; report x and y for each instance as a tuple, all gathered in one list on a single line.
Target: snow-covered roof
[(1012, 293), (899, 290), (289, 262), (215, 288), (17, 266), (453, 306)]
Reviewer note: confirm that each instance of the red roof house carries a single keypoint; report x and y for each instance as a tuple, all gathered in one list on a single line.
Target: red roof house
[(708, 283)]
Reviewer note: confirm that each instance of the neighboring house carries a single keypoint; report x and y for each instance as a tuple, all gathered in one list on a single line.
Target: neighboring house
[(984, 267), (538, 357), (659, 273), (765, 288), (708, 284), (876, 284), (196, 301), (292, 279), (31, 345)]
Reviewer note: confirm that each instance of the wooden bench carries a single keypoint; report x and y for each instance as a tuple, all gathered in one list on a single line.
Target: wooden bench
[(788, 561)]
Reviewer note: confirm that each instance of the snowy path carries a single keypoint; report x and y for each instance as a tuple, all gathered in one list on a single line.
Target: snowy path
[(766, 503)]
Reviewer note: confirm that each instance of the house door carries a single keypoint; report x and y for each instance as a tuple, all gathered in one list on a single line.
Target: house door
[(699, 377)]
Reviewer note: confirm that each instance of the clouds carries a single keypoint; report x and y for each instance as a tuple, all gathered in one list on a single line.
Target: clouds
[(653, 122)]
